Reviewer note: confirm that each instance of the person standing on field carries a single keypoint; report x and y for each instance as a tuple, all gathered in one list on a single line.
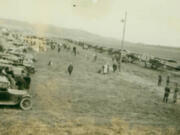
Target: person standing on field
[(50, 63), (168, 80), (70, 69), (166, 94), (59, 48), (176, 90), (159, 80), (74, 50), (114, 67), (95, 57)]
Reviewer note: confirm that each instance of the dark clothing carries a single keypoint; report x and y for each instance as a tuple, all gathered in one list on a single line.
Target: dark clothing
[(59, 49), (20, 83), (175, 95), (70, 69), (50, 63), (74, 50), (27, 81), (159, 80), (114, 67), (168, 80), (52, 47), (166, 94), (65, 46)]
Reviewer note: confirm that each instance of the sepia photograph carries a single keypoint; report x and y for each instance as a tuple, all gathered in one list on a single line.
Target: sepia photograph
[(89, 67)]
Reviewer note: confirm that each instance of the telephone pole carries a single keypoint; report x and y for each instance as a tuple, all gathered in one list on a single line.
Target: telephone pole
[(122, 40)]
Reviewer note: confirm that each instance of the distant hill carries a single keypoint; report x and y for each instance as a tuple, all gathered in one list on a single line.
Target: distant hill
[(75, 34)]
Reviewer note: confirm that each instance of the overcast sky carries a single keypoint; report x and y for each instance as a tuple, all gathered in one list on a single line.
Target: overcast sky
[(149, 21)]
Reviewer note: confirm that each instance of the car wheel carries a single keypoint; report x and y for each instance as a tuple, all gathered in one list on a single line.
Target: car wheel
[(26, 103)]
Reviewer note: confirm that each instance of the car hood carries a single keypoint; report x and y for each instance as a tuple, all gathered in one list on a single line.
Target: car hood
[(18, 92)]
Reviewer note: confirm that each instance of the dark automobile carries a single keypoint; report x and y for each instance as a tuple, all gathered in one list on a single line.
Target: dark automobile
[(10, 96)]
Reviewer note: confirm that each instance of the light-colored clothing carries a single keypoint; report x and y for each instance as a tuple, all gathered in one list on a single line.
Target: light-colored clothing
[(175, 95), (106, 69)]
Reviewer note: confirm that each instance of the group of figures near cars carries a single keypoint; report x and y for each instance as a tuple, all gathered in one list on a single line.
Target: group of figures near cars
[(167, 89)]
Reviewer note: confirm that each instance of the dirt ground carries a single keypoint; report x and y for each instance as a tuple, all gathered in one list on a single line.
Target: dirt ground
[(88, 103)]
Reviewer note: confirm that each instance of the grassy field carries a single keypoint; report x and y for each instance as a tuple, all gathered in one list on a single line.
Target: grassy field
[(88, 103)]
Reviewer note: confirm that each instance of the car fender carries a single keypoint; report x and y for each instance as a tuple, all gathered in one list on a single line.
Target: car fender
[(22, 93)]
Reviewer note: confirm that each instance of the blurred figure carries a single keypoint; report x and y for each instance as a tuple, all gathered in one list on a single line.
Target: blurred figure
[(27, 80), (99, 71), (113, 57), (65, 46), (59, 48), (70, 69), (105, 69), (166, 94), (168, 80), (52, 47), (145, 64), (159, 80), (74, 50), (176, 90), (114, 67), (95, 57), (50, 63)]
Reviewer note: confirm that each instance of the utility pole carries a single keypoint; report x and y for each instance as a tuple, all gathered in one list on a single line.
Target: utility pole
[(122, 40)]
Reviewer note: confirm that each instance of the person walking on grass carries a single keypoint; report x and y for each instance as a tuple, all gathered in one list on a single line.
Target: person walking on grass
[(166, 94), (159, 80), (176, 90), (70, 69)]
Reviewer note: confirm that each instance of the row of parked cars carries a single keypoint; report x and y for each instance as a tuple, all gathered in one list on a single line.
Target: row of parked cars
[(16, 67)]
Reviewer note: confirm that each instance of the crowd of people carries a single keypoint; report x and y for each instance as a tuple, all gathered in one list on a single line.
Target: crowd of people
[(65, 47), (114, 67)]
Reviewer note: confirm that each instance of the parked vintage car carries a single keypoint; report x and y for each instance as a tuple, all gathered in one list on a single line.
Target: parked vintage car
[(10, 96), (29, 67)]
